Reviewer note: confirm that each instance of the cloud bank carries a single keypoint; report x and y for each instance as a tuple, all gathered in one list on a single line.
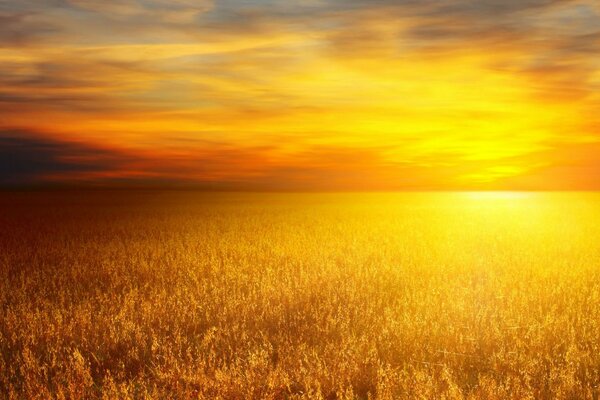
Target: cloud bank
[(310, 95)]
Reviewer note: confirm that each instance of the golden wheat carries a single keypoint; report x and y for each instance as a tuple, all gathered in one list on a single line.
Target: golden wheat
[(153, 295)]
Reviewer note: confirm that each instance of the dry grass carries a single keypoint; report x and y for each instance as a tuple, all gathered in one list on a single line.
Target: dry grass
[(231, 296)]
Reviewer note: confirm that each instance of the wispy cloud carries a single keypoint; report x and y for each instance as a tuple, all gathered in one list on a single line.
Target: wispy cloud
[(345, 94)]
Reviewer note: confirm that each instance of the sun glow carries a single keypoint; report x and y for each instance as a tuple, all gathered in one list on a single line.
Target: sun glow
[(496, 195)]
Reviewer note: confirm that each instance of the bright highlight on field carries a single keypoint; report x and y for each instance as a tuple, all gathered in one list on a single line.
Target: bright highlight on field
[(300, 296)]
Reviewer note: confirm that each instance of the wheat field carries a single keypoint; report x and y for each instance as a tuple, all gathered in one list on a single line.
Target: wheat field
[(188, 295)]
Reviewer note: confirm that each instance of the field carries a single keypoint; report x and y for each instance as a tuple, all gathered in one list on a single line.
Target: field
[(157, 295)]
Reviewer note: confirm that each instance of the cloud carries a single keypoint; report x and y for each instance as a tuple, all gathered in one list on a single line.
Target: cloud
[(33, 158), (20, 28), (274, 93), (30, 158), (158, 11), (572, 166)]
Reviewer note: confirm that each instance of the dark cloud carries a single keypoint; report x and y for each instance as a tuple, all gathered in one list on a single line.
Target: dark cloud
[(29, 158), (79, 84), (480, 8), (22, 29)]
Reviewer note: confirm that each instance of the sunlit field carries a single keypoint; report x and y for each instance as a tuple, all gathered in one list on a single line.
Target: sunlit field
[(183, 295)]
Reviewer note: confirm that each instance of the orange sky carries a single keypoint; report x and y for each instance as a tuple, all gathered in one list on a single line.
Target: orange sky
[(303, 95)]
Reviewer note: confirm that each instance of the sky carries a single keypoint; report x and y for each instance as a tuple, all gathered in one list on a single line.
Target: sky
[(301, 95)]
